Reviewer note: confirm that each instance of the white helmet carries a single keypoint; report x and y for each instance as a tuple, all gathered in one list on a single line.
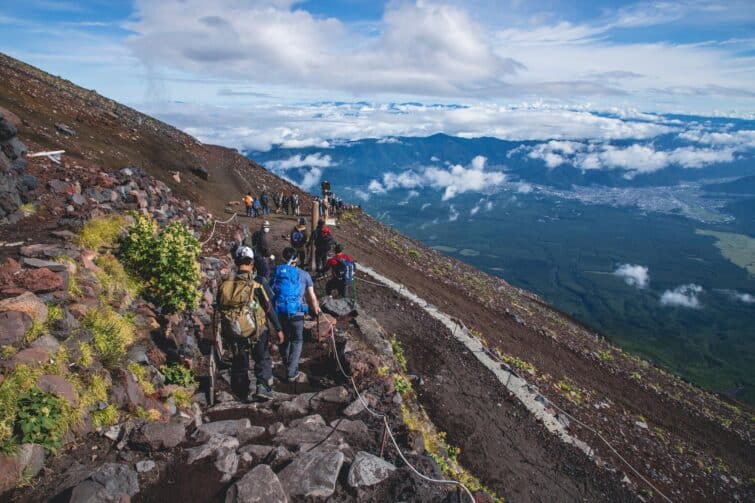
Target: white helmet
[(244, 252)]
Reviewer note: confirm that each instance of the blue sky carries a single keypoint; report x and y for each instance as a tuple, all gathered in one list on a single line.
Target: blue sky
[(218, 55)]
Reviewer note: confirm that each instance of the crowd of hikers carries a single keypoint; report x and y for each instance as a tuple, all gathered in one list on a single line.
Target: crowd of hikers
[(286, 204), (264, 305)]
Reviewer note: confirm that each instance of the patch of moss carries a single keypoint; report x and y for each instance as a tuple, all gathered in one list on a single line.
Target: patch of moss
[(105, 417), (113, 333), (85, 355), (115, 281), (101, 231), (572, 392), (398, 353), (7, 352)]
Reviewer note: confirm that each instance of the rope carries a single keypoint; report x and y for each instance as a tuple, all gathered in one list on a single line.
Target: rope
[(378, 415), (495, 357), (214, 224)]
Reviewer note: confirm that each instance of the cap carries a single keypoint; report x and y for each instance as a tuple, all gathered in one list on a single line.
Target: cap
[(244, 252)]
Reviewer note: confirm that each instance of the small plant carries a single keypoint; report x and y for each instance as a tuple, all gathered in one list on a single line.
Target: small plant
[(182, 398), (148, 414), (41, 419), (398, 353), (573, 393), (114, 279), (85, 355), (7, 352), (105, 417), (101, 231), (414, 254), (113, 333), (605, 356), (141, 373), (517, 363), (179, 375), (401, 383), (636, 376), (27, 209)]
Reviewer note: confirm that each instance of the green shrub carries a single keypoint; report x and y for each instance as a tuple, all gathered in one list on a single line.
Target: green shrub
[(167, 261), (101, 231), (113, 333), (398, 353), (178, 374), (41, 418), (414, 254)]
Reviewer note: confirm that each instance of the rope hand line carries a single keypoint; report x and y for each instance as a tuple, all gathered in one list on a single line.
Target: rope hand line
[(388, 430), (214, 224), (518, 386)]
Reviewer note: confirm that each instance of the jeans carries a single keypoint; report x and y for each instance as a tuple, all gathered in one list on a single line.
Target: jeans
[(263, 362), (249, 211), (290, 350)]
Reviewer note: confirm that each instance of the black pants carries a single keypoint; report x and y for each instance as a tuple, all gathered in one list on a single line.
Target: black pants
[(301, 252), (321, 258), (340, 285), (263, 362)]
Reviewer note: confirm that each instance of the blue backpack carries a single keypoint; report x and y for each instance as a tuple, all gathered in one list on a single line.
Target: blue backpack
[(345, 270), (288, 291)]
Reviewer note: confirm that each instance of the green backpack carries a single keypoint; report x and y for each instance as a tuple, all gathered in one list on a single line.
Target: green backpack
[(240, 313)]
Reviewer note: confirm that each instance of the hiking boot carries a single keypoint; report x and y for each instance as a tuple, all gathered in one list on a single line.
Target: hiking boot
[(300, 377), (264, 392)]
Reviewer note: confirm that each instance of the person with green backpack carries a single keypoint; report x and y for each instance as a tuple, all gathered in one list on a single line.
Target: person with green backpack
[(245, 309), (293, 289)]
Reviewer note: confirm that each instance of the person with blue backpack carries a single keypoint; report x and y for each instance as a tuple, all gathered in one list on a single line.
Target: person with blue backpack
[(343, 267), (293, 289)]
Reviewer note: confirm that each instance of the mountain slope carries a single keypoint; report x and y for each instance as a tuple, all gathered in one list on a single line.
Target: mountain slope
[(691, 444)]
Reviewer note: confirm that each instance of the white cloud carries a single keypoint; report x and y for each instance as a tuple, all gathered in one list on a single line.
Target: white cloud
[(316, 160), (475, 209), (311, 178), (743, 138), (453, 214), (634, 159), (524, 188), (743, 297), (683, 296), (633, 275), (456, 179), (425, 206)]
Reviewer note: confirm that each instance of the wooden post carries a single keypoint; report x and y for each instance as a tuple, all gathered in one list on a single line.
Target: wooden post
[(313, 225)]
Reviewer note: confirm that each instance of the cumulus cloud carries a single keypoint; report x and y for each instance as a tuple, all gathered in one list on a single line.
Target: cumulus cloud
[(635, 159), (743, 138), (743, 297), (311, 178), (633, 275), (683, 296), (454, 180), (316, 160), (524, 188)]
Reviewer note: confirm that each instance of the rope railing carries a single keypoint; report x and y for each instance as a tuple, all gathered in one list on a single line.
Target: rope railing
[(214, 224), (388, 430)]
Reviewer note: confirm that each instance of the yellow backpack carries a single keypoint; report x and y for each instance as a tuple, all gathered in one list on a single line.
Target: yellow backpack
[(241, 315)]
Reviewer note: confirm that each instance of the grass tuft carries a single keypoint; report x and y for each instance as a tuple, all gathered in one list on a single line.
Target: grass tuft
[(113, 333), (101, 231)]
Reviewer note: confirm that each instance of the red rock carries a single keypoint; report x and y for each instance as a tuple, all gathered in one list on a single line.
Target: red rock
[(10, 472), (41, 280), (31, 356), (26, 303), (58, 386)]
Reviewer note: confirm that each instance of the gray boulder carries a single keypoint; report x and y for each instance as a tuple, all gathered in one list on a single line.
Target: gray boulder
[(31, 459), (227, 463), (308, 433), (338, 307), (155, 436), (368, 470), (260, 485), (211, 448), (13, 326), (312, 475), (374, 335), (254, 453), (117, 479), (242, 429), (278, 457)]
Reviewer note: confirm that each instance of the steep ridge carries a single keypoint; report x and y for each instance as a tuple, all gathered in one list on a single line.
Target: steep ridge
[(691, 444)]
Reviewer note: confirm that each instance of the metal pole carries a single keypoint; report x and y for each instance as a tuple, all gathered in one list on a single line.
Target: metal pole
[(315, 219)]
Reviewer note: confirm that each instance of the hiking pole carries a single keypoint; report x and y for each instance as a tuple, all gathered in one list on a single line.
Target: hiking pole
[(356, 300)]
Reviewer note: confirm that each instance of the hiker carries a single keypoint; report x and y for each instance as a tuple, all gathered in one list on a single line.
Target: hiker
[(299, 239), (294, 289), (258, 242), (322, 239), (286, 202), (257, 208), (343, 268), (295, 204), (265, 201), (279, 202), (245, 309), (248, 200)]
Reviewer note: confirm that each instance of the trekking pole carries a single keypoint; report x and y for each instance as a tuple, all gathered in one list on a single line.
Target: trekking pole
[(356, 299)]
